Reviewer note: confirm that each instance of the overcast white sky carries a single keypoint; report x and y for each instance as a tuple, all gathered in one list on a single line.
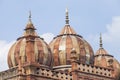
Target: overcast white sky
[(89, 18)]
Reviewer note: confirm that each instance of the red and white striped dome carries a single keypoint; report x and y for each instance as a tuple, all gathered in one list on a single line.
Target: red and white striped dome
[(103, 59), (31, 48), (62, 45)]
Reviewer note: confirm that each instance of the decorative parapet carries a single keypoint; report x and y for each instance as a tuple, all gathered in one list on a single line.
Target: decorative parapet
[(82, 69), (100, 71), (56, 75), (10, 73)]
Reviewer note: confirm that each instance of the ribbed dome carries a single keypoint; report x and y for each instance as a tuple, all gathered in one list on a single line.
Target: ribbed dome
[(31, 48), (101, 51), (62, 45), (103, 59)]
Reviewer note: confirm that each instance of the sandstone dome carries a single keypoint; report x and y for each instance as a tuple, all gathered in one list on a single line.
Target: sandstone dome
[(65, 41), (31, 48), (104, 59)]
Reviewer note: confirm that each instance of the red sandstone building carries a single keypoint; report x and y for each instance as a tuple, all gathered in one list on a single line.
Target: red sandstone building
[(68, 57)]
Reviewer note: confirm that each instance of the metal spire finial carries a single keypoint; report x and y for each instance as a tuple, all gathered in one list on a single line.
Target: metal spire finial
[(101, 45), (67, 17), (30, 17)]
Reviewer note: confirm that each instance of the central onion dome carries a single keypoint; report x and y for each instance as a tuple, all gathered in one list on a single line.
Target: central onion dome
[(103, 59), (31, 48), (67, 40)]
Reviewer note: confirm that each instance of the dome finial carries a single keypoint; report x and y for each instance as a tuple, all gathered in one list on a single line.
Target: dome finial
[(29, 23), (101, 45), (67, 17), (30, 17)]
